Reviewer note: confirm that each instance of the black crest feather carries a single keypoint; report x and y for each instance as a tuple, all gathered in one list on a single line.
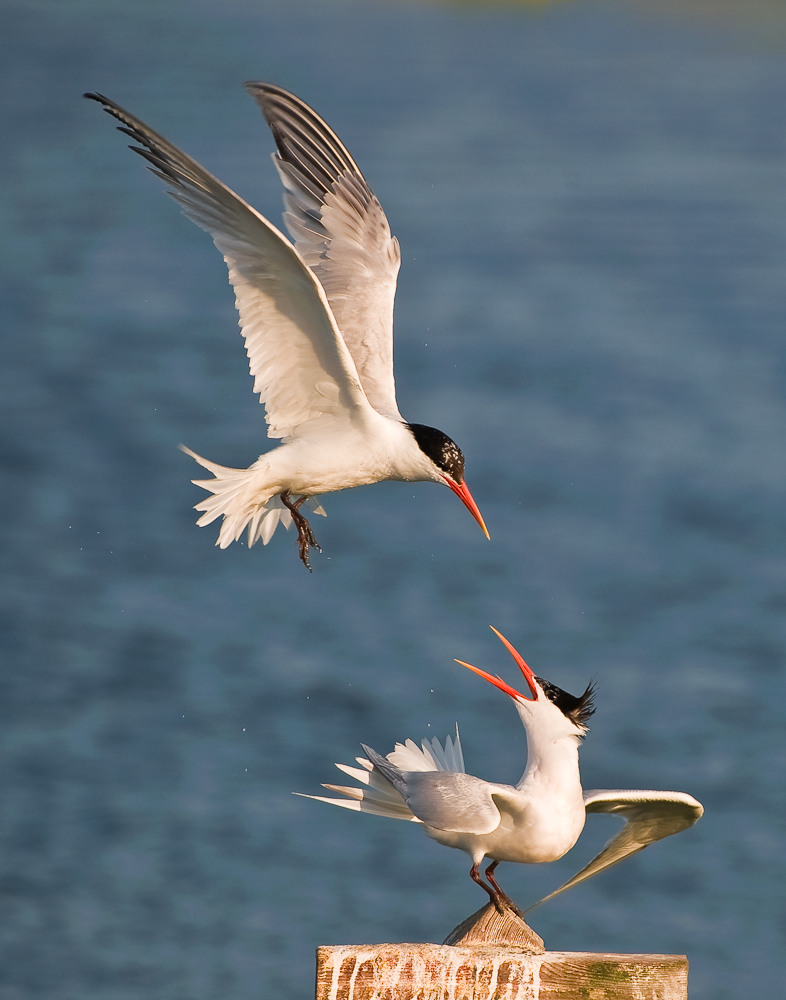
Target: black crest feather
[(578, 710)]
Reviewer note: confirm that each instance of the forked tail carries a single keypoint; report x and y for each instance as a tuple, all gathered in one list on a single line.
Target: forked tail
[(238, 498)]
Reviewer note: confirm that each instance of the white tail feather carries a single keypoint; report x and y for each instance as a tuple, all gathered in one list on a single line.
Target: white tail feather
[(239, 496)]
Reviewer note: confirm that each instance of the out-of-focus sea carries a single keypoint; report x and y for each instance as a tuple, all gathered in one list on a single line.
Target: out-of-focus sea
[(591, 204)]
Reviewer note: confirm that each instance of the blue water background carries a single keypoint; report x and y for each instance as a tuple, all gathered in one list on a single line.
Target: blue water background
[(591, 203)]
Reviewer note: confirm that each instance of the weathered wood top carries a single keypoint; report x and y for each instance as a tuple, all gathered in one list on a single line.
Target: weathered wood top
[(491, 972), (489, 926)]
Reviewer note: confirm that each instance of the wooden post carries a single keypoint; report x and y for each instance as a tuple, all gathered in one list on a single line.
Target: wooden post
[(446, 972), (509, 964)]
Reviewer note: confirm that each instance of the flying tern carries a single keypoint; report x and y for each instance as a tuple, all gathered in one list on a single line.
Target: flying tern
[(535, 821), (317, 318)]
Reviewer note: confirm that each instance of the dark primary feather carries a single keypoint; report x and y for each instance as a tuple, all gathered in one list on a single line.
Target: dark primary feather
[(168, 162), (307, 143)]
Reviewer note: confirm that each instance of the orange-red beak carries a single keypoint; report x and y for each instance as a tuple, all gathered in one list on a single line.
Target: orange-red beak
[(529, 676), (496, 681), (522, 665), (462, 492)]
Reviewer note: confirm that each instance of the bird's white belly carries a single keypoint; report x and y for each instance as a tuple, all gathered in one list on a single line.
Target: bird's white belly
[(538, 833), (322, 466), (330, 462)]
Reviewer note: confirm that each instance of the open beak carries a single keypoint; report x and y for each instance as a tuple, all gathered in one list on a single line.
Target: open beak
[(496, 681), (522, 665), (529, 676), (462, 492)]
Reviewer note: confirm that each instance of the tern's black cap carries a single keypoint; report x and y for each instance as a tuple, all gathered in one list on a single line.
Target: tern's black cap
[(442, 450)]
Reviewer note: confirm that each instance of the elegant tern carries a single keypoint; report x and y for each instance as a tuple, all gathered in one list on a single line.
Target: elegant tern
[(317, 318), (537, 820)]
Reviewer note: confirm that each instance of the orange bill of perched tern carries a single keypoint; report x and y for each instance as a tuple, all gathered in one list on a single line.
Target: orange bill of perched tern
[(317, 318), (535, 821)]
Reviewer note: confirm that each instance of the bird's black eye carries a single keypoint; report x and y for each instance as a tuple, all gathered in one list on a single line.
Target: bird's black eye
[(578, 710), (442, 450)]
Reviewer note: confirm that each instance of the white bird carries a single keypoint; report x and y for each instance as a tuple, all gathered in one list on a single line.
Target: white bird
[(317, 318), (537, 820)]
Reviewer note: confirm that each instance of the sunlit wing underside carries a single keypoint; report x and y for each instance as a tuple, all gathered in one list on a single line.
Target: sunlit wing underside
[(648, 815), (302, 369)]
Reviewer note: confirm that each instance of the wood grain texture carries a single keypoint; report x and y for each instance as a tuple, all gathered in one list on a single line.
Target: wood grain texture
[(487, 926), (444, 972)]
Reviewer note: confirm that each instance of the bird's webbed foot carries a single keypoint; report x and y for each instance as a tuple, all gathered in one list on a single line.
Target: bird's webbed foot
[(500, 899), (305, 536)]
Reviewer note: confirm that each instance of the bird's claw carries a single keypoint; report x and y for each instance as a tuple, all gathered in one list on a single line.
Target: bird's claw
[(500, 898), (305, 536), (504, 902)]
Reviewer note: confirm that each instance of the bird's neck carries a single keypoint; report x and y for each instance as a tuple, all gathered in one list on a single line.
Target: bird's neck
[(552, 762)]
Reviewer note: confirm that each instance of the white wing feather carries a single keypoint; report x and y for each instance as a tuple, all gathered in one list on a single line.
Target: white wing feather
[(379, 797), (341, 231), (302, 369), (456, 803), (648, 815), (430, 756)]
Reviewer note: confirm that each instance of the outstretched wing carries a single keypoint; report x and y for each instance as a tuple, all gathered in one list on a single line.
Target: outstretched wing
[(648, 815), (302, 369), (342, 233)]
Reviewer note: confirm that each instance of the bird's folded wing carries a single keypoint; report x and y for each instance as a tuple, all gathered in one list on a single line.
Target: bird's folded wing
[(302, 369), (342, 233), (456, 803), (648, 815)]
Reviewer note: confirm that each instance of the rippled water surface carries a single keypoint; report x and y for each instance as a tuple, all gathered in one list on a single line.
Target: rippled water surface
[(591, 202)]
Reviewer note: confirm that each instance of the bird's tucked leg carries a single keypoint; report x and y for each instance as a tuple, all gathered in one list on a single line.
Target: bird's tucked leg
[(305, 536), (494, 894), (499, 894)]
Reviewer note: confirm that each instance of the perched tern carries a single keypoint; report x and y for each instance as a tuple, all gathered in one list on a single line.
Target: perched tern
[(539, 819), (317, 318)]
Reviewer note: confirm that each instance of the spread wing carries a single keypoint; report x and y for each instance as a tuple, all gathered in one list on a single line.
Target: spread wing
[(342, 233), (648, 815), (302, 369)]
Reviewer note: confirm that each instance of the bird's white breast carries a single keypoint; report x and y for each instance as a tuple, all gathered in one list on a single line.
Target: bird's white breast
[(341, 458), (535, 826)]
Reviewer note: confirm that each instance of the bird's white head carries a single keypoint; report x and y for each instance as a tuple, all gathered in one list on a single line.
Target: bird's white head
[(447, 460), (549, 712)]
